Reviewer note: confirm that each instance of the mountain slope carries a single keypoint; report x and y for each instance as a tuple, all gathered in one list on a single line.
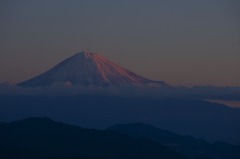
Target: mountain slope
[(190, 146), (87, 68), (42, 136)]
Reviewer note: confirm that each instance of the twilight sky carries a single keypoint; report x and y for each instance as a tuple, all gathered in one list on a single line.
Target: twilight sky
[(183, 42)]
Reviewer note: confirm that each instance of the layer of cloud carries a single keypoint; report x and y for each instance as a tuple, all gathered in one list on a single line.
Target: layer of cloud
[(66, 89)]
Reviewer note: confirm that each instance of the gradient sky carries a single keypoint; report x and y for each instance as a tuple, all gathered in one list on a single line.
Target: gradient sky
[(183, 42)]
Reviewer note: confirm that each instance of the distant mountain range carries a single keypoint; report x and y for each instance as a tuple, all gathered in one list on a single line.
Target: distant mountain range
[(43, 138), (211, 121), (89, 69)]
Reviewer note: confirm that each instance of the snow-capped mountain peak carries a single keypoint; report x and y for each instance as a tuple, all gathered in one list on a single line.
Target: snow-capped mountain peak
[(88, 68)]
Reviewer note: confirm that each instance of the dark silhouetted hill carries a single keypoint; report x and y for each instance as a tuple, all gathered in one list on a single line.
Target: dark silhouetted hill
[(188, 145), (44, 138)]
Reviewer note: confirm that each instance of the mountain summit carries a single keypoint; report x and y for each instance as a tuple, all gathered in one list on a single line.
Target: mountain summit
[(87, 68)]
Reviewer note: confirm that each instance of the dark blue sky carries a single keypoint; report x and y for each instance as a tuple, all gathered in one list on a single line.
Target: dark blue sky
[(183, 42)]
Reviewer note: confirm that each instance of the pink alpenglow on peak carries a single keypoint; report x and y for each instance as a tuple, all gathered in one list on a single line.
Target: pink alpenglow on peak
[(90, 69)]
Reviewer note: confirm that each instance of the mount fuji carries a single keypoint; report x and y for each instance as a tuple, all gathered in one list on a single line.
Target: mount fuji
[(89, 69)]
